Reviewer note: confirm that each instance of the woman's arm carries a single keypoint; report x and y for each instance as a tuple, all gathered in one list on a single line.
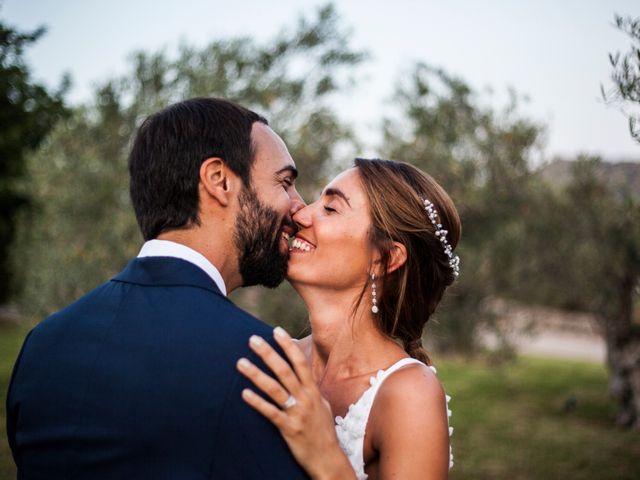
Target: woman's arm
[(409, 427), (304, 419)]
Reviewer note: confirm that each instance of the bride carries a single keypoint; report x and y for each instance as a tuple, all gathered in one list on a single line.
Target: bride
[(359, 398)]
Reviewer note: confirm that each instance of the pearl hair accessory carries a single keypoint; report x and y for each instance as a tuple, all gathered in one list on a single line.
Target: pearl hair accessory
[(374, 300), (441, 233)]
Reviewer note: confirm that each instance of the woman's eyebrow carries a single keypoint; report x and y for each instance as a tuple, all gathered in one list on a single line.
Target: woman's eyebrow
[(335, 192)]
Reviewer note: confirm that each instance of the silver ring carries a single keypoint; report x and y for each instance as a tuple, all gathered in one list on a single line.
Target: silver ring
[(291, 401)]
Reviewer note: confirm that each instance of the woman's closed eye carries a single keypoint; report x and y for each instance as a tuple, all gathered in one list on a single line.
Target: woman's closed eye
[(328, 209)]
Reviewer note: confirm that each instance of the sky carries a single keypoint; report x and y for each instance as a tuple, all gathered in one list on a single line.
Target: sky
[(555, 53)]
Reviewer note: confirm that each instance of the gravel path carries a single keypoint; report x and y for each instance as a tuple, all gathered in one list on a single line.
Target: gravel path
[(563, 345)]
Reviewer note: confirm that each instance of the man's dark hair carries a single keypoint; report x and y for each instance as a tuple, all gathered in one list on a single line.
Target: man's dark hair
[(168, 150)]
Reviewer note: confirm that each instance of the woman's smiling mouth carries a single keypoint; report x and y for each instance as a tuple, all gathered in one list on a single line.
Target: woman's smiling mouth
[(299, 244)]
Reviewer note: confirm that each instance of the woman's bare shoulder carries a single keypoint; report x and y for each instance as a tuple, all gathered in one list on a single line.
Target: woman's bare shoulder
[(412, 384), (411, 399), (409, 415)]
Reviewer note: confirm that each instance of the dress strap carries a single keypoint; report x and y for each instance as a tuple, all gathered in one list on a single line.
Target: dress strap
[(383, 374), (401, 363)]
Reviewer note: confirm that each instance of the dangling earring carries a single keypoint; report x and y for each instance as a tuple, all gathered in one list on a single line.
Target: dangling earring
[(374, 300)]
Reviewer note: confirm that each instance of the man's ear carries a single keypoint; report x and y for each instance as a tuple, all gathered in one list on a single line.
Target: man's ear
[(217, 180), (398, 256)]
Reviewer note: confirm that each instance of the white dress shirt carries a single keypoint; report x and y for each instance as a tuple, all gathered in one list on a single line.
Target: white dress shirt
[(166, 248)]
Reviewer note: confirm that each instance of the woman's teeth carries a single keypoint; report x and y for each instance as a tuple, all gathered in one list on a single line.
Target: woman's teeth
[(300, 245)]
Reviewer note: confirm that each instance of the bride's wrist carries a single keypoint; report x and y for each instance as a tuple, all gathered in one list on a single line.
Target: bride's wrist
[(335, 467)]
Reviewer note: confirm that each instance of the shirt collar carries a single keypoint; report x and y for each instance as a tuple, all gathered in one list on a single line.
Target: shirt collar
[(166, 248)]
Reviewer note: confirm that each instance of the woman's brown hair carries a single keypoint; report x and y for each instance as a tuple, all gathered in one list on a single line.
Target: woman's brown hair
[(409, 295)]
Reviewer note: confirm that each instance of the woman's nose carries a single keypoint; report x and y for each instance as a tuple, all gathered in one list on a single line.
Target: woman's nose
[(296, 202), (303, 217)]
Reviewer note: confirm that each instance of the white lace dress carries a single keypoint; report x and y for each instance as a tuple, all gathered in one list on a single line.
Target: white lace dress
[(351, 428)]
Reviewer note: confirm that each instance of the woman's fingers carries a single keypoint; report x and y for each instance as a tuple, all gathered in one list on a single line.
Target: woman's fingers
[(304, 417), (264, 382), (273, 413), (295, 355), (280, 368)]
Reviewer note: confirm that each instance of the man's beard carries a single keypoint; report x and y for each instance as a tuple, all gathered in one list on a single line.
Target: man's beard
[(257, 237)]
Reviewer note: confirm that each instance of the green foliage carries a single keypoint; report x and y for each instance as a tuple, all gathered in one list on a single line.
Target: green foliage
[(606, 235), (581, 248), (27, 113), (482, 158), (82, 229), (626, 74), (575, 247), (615, 215)]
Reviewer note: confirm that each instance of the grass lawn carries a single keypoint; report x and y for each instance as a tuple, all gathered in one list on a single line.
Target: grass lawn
[(536, 419), (10, 342), (529, 419)]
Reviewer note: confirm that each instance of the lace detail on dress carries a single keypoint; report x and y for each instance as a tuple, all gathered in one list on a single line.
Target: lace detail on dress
[(351, 428)]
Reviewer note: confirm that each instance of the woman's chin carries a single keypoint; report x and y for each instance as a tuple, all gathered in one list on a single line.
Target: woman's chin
[(294, 275), (291, 277)]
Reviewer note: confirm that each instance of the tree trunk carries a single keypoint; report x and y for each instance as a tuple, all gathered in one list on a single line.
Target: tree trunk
[(623, 355), (624, 381)]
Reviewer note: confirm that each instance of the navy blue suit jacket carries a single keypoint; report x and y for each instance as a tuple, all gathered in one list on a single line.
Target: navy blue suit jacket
[(137, 380)]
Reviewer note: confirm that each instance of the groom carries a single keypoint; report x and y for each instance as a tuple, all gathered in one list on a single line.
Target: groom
[(137, 379)]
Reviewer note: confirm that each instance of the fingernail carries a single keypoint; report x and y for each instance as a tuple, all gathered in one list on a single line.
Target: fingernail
[(243, 364), (247, 393), (281, 332), (256, 341)]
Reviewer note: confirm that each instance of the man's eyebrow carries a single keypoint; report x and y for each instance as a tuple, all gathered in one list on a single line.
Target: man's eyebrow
[(334, 192), (293, 171)]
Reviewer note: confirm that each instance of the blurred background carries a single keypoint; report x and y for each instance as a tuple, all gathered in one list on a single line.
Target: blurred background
[(528, 113)]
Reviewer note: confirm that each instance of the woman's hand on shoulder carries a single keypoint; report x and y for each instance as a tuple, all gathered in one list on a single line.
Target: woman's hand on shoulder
[(409, 425), (304, 417)]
